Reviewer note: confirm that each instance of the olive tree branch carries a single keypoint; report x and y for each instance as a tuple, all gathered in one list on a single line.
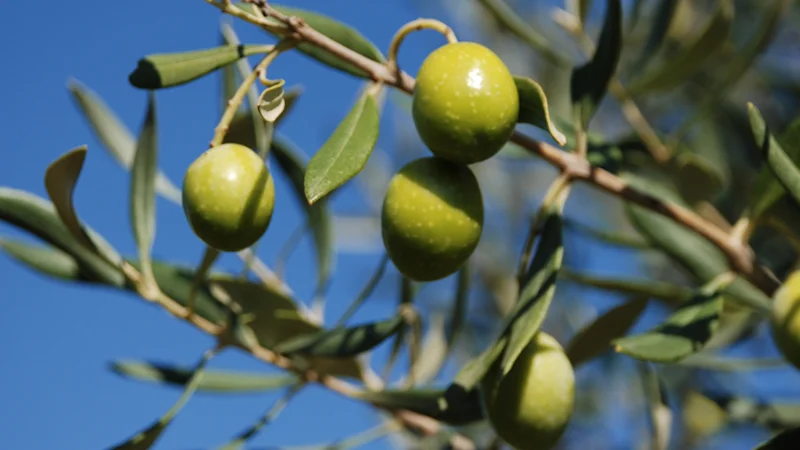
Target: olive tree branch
[(740, 256)]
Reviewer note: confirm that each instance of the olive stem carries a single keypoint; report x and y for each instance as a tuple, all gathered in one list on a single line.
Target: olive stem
[(210, 255), (236, 101), (410, 27)]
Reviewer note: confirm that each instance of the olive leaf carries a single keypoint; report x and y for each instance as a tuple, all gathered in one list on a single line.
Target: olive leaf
[(524, 321), (453, 405), (667, 292), (662, 20), (60, 180), (679, 67), (164, 70), (114, 136), (44, 259), (696, 254), (211, 381), (346, 151), (685, 332), (768, 189), (146, 438), (779, 162), (533, 108), (337, 31), (143, 188), (271, 103), (589, 82), (39, 217), (595, 338), (342, 342), (291, 161), (276, 318)]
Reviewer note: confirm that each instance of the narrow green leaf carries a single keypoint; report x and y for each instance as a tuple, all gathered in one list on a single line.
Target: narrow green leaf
[(525, 320), (229, 79), (114, 136), (533, 108), (275, 319), (60, 180), (595, 339), (345, 152), (143, 187), (778, 161), (342, 342), (668, 292), (292, 162), (589, 82), (696, 254), (685, 332), (148, 437), (452, 405), (609, 237), (660, 25), (241, 439), (681, 66), (212, 381), (334, 30), (39, 217), (164, 70), (785, 440), (724, 364), (768, 190), (536, 293), (45, 259)]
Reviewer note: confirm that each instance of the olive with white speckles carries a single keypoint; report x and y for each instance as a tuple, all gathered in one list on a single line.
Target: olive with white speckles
[(228, 197), (432, 218), (465, 103), (531, 406)]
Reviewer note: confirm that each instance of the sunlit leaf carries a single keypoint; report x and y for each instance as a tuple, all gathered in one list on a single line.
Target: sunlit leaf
[(346, 151), (271, 103), (533, 108), (452, 406), (45, 259), (164, 70), (143, 188), (342, 342), (683, 333), (595, 339), (777, 160), (39, 217), (681, 66), (216, 381), (335, 30), (114, 136), (589, 82), (292, 162)]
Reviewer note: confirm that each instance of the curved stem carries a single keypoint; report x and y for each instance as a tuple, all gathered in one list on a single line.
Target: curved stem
[(410, 27)]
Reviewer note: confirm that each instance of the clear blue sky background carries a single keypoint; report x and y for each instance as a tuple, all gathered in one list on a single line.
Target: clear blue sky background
[(58, 338)]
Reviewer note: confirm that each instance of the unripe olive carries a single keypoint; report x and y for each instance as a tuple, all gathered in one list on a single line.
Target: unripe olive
[(465, 103), (785, 319), (228, 197), (432, 218), (531, 406)]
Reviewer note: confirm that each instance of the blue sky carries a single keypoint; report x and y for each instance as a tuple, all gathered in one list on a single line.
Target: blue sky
[(59, 337)]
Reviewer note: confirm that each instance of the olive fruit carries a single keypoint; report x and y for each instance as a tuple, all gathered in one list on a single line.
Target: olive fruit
[(785, 319), (530, 407), (228, 197), (465, 103), (432, 218)]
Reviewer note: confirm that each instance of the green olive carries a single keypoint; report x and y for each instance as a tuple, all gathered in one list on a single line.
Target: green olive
[(228, 197), (465, 102), (785, 319), (432, 218), (531, 406)]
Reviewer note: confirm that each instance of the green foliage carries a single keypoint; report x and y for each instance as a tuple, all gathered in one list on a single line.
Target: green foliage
[(699, 188)]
